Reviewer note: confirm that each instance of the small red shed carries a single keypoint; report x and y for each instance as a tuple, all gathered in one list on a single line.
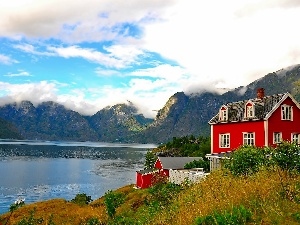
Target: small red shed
[(144, 178)]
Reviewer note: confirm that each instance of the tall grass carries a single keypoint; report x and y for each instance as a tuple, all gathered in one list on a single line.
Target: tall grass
[(262, 194)]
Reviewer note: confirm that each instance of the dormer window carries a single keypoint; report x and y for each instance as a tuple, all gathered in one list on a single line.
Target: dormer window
[(223, 113), (286, 112), (249, 110)]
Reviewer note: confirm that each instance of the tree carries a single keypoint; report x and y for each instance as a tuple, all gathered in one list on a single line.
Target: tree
[(150, 159)]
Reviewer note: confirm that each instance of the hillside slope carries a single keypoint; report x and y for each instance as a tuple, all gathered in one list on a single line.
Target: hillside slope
[(182, 115)]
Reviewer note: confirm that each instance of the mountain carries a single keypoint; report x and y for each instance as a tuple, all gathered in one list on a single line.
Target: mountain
[(189, 114), (8, 130), (52, 121), (182, 115), (118, 122)]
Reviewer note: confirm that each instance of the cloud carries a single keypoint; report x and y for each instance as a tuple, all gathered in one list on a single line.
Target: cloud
[(34, 92), (6, 60), (115, 59), (21, 73), (214, 45), (28, 48), (161, 47), (253, 7), (75, 21), (85, 101), (164, 71), (115, 56)]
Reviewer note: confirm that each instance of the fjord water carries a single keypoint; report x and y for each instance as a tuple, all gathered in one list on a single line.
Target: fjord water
[(37, 171)]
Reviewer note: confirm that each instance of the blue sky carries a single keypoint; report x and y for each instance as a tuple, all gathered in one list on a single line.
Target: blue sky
[(91, 54)]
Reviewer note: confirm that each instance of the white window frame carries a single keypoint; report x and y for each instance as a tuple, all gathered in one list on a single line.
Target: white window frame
[(295, 137), (277, 137), (250, 111), (224, 140), (223, 113), (249, 138), (286, 112), (249, 108)]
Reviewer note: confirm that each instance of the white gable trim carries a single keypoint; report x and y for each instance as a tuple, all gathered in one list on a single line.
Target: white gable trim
[(286, 95), (212, 138), (266, 130)]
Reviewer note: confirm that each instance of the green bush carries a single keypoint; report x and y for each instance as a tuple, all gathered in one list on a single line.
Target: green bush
[(246, 160), (31, 220), (82, 199), (163, 193), (237, 216), (123, 220), (112, 201), (296, 216), (93, 221), (287, 156), (198, 164)]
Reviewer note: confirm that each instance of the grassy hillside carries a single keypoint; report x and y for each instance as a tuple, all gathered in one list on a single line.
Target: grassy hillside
[(250, 189), (269, 197)]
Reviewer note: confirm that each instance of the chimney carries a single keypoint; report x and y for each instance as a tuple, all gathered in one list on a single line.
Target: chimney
[(260, 93)]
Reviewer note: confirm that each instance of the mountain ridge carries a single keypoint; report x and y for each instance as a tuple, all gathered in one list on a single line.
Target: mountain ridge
[(182, 115)]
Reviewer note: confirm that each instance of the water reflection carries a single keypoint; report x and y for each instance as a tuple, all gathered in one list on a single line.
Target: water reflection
[(40, 172)]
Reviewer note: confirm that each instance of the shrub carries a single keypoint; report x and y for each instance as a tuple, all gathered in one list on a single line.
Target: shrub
[(198, 164), (82, 199), (31, 220), (246, 160), (18, 203), (296, 216), (122, 220), (163, 193), (238, 215), (113, 200), (287, 156), (93, 221)]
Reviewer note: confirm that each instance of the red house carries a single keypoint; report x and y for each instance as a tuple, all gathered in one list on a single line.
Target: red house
[(262, 121), (144, 178)]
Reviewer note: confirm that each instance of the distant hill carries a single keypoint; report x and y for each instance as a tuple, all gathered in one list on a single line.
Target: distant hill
[(182, 115), (9, 131), (189, 114)]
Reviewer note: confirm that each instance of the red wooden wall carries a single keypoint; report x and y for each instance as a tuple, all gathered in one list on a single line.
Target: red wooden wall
[(287, 127), (236, 129)]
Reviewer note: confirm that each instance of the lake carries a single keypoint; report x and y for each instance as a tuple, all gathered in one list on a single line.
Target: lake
[(41, 170)]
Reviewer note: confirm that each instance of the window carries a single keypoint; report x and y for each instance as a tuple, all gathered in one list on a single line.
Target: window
[(248, 138), (249, 110), (277, 137), (223, 113), (224, 140), (296, 138), (286, 112)]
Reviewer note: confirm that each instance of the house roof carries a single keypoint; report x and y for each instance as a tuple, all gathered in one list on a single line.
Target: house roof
[(263, 108), (176, 162), (146, 171)]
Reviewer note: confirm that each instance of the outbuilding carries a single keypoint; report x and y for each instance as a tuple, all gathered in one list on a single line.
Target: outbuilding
[(162, 166)]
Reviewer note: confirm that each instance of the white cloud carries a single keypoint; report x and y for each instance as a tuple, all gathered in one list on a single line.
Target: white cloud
[(4, 59), (213, 44), (85, 101), (109, 60), (34, 92), (74, 21), (216, 44), (164, 71), (21, 73)]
